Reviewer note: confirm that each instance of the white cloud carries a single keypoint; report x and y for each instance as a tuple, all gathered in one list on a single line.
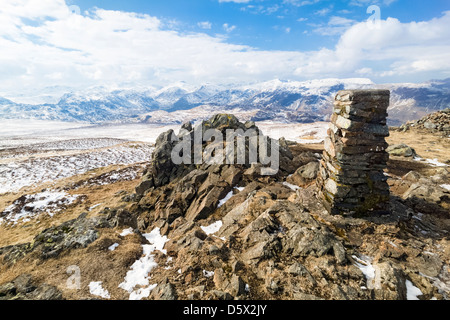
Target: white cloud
[(322, 12), (228, 28), (45, 45), (205, 25), (335, 26)]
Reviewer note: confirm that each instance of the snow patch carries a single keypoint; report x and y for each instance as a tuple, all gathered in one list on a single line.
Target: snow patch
[(433, 162), (96, 289), (95, 206), (137, 280), (364, 264), (291, 186), (113, 247), (29, 206), (446, 186), (213, 228), (141, 293), (305, 133), (224, 200), (412, 292), (126, 232), (208, 274)]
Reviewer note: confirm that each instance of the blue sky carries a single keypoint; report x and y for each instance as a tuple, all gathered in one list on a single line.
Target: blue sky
[(82, 43), (272, 24)]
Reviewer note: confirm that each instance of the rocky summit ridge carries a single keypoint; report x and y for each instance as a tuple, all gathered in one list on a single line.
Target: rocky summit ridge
[(232, 233)]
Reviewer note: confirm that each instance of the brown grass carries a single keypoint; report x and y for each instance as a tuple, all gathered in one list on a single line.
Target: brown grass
[(91, 196), (97, 263)]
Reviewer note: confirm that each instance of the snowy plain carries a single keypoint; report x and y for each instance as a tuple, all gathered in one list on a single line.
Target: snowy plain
[(34, 151)]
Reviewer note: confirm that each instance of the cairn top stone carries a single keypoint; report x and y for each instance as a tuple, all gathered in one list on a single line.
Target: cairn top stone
[(363, 95)]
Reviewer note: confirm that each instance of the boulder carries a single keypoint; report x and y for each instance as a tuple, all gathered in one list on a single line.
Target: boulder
[(401, 150), (309, 171)]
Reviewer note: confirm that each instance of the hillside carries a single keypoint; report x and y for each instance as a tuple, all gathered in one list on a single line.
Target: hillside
[(225, 231)]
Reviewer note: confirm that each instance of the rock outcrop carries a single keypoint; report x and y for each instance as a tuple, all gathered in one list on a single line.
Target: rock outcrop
[(437, 122), (193, 191), (25, 288)]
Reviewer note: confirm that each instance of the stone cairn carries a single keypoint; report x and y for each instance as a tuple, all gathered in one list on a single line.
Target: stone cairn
[(351, 178)]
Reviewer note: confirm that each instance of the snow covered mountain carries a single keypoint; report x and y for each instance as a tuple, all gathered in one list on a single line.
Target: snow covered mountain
[(286, 101)]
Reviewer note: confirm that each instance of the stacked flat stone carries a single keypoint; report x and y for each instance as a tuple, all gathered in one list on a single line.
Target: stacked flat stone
[(351, 178)]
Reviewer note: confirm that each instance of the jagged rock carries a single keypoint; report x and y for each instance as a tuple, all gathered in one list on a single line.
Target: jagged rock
[(231, 175), (224, 121), (72, 234), (7, 289), (425, 190), (250, 125), (429, 125), (237, 266), (389, 282), (203, 206), (24, 284), (298, 269), (164, 291), (305, 174), (77, 233), (317, 243), (122, 218), (262, 250), (145, 185), (237, 286), (45, 292), (24, 288), (284, 244), (429, 264)]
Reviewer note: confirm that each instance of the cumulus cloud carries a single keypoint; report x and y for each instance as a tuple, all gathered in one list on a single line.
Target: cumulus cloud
[(45, 44)]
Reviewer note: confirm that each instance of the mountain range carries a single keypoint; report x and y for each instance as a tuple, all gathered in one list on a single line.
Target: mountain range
[(276, 100)]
